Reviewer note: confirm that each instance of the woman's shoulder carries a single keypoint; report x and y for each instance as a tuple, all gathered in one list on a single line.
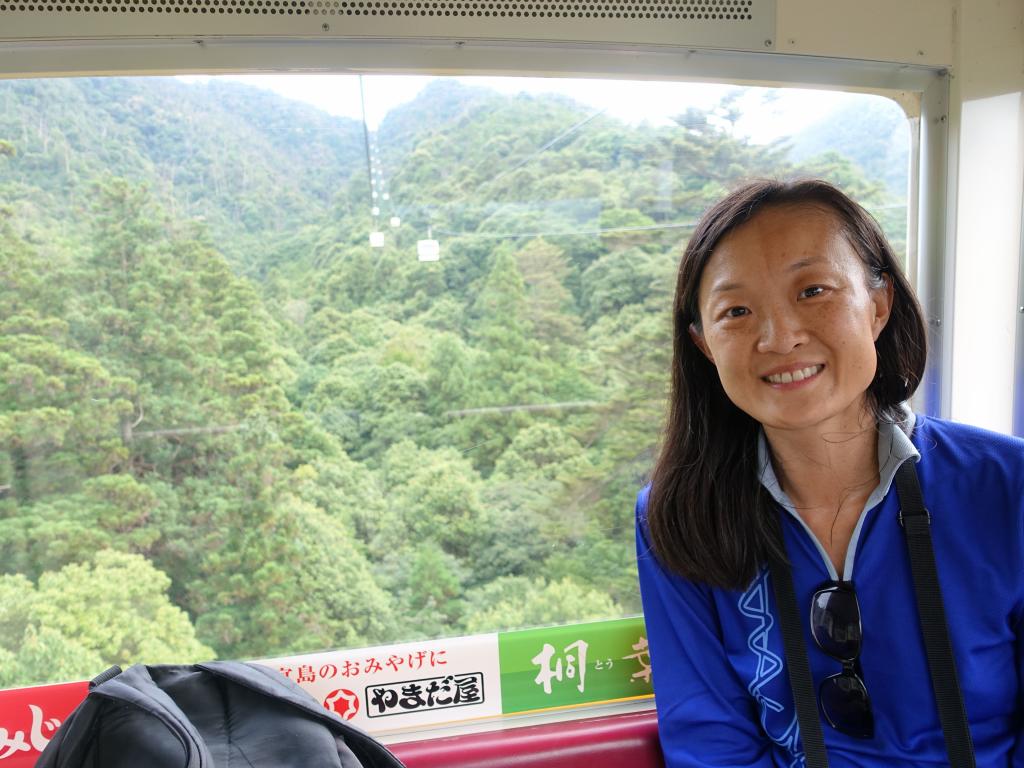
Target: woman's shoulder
[(968, 436), (966, 445), (642, 496), (641, 508)]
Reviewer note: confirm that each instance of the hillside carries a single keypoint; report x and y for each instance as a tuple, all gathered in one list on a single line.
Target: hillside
[(872, 134), (248, 163)]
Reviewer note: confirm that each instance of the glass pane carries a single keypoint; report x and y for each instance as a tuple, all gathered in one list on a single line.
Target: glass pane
[(278, 374)]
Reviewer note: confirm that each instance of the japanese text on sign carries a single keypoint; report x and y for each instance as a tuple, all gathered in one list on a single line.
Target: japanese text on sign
[(572, 664), (643, 658), (424, 659), (575, 658), (11, 744), (430, 693)]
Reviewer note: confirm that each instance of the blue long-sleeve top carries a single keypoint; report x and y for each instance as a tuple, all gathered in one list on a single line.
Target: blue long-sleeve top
[(721, 688)]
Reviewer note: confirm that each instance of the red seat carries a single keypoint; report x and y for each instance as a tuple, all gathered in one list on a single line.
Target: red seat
[(629, 740)]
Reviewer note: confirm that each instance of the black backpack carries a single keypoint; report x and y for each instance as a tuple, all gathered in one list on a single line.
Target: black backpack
[(215, 715)]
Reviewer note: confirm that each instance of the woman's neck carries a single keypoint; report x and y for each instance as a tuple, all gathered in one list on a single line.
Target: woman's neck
[(823, 467), (829, 474)]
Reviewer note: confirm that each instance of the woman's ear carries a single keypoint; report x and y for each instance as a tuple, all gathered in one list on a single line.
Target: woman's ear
[(882, 298), (702, 345)]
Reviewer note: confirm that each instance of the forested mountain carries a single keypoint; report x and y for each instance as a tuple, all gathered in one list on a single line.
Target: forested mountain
[(228, 426), (248, 163), (873, 134)]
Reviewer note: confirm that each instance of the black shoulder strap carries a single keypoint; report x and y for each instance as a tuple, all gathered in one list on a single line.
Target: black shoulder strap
[(917, 526), (797, 665), (952, 715)]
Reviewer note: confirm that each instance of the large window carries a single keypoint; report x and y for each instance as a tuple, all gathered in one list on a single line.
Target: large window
[(275, 380)]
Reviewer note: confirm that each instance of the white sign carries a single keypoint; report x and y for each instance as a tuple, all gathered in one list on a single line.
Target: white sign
[(395, 687)]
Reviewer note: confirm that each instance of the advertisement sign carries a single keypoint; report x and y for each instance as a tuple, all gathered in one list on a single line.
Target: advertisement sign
[(573, 665), (394, 688), (429, 694), (30, 716)]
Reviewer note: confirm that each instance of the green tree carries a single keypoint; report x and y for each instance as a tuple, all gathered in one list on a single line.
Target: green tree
[(516, 603), (505, 334), (549, 303), (625, 277), (108, 512), (113, 609)]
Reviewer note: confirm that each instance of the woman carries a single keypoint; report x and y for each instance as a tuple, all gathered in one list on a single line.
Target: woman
[(797, 343)]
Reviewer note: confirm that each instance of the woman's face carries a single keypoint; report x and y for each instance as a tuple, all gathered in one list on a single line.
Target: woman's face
[(789, 321)]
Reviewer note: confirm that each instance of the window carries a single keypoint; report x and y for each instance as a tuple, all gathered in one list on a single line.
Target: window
[(276, 380)]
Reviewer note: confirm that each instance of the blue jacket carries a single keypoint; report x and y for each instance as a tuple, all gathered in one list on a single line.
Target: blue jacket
[(721, 688)]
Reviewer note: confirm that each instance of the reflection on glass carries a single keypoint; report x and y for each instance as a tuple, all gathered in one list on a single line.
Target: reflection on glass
[(240, 418)]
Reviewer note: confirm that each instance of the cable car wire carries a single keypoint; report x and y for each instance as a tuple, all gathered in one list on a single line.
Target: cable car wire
[(567, 132), (366, 141), (597, 231)]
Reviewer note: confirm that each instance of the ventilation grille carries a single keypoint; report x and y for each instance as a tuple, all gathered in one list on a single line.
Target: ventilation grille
[(702, 10)]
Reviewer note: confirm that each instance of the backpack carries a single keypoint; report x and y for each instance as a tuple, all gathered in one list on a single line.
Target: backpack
[(214, 715)]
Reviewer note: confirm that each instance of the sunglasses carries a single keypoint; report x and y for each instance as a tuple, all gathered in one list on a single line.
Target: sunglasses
[(836, 628)]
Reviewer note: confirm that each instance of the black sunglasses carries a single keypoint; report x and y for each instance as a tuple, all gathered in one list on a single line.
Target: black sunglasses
[(836, 628)]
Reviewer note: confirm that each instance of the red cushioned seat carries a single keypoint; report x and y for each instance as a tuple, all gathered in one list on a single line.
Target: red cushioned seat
[(623, 741)]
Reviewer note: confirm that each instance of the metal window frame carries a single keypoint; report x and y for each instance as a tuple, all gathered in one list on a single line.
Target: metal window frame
[(938, 126)]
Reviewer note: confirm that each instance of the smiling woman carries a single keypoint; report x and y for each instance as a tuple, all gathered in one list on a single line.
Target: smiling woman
[(773, 245), (797, 342), (789, 316)]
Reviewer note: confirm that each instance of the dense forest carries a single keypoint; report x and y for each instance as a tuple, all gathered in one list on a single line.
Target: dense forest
[(231, 428)]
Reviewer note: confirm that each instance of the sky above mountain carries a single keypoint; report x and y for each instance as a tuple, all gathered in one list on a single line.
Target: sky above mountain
[(767, 113)]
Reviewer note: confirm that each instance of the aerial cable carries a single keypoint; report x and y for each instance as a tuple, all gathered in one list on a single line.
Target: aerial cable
[(567, 132), (376, 236), (597, 231), (531, 407), (366, 140)]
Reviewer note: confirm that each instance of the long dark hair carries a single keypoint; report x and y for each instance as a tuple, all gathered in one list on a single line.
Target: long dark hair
[(708, 515)]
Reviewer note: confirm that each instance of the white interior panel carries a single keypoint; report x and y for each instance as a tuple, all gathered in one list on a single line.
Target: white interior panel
[(988, 252), (732, 24)]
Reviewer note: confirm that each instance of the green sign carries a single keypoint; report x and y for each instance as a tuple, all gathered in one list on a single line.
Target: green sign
[(577, 664)]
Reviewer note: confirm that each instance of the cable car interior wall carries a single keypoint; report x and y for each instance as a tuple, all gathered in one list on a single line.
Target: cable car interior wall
[(956, 67)]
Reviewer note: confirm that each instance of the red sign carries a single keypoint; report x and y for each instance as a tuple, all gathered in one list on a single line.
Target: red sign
[(30, 716)]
